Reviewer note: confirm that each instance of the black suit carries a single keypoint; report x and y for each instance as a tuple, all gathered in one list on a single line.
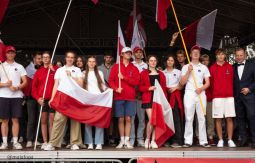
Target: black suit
[(245, 104)]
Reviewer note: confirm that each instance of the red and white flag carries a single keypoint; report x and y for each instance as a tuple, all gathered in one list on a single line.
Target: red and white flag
[(3, 8), (201, 31), (130, 26), (95, 1), (2, 51), (83, 106), (161, 13), (137, 40), (121, 42), (162, 116)]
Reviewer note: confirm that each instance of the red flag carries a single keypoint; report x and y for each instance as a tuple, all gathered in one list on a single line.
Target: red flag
[(95, 1), (121, 42), (161, 13), (3, 7), (201, 31), (130, 26), (2, 51)]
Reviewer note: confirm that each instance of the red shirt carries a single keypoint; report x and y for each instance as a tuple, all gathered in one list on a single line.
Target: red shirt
[(145, 84), (131, 79), (221, 80), (39, 82)]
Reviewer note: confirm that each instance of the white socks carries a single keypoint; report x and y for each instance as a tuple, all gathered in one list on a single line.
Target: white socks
[(15, 140), (4, 140), (124, 139)]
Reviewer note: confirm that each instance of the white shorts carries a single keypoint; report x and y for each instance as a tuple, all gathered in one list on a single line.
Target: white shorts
[(223, 107)]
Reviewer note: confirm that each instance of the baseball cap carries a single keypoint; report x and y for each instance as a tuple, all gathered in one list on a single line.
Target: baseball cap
[(195, 47), (126, 49), (10, 48), (136, 49)]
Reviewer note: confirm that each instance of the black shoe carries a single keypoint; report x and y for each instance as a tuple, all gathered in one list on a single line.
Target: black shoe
[(242, 143), (186, 146)]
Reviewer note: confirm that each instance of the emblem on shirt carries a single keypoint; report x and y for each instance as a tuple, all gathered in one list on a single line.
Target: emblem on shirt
[(16, 69), (174, 74), (227, 72), (199, 70), (73, 71)]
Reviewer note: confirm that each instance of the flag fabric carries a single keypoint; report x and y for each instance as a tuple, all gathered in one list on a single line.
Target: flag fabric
[(81, 105), (121, 42), (162, 116), (3, 8), (130, 26), (2, 51), (201, 31), (137, 40), (95, 1), (161, 13)]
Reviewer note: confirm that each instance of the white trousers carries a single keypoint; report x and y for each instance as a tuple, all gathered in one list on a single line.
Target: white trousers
[(192, 104)]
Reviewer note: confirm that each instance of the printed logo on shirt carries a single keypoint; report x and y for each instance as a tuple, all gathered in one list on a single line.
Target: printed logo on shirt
[(227, 72), (130, 73), (174, 74), (199, 70), (73, 71), (16, 69)]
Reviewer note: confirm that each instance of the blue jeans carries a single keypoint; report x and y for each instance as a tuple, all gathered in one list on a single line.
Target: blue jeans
[(99, 135)]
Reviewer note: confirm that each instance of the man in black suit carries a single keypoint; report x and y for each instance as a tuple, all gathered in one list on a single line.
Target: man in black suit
[(244, 92)]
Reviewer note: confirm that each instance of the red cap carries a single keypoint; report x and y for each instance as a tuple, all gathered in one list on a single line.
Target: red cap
[(136, 49), (10, 48), (195, 47)]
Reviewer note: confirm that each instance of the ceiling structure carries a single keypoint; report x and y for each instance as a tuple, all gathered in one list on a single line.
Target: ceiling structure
[(35, 23)]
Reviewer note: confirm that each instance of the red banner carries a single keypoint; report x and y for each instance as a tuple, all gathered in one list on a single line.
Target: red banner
[(194, 160)]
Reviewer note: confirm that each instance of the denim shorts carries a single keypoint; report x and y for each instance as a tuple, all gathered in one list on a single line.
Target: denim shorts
[(124, 108)]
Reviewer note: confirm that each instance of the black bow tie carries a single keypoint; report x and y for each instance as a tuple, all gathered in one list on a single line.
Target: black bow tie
[(240, 64)]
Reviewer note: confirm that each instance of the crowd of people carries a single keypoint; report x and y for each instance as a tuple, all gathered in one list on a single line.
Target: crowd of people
[(212, 103)]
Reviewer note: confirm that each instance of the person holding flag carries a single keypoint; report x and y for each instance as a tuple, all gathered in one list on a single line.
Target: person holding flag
[(13, 80), (192, 103), (38, 85), (147, 87), (69, 70), (123, 79)]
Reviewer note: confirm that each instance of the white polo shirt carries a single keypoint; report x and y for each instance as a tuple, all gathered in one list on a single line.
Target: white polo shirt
[(200, 72), (142, 66), (14, 71), (61, 72), (172, 77)]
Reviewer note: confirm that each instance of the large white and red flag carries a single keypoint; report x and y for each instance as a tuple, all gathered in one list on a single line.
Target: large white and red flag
[(83, 106), (162, 116), (201, 31), (95, 1), (2, 51), (120, 43), (137, 40), (140, 23), (3, 8), (161, 13)]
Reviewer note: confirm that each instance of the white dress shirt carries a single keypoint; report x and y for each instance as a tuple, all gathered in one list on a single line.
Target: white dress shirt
[(240, 69)]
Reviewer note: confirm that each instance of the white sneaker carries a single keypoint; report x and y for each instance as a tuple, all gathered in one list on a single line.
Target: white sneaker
[(147, 144), (75, 147), (90, 147), (99, 147), (128, 145), (140, 143), (154, 145), (4, 146), (29, 144), (121, 145), (49, 147), (44, 145), (38, 143), (231, 144), (21, 139), (17, 146), (220, 144)]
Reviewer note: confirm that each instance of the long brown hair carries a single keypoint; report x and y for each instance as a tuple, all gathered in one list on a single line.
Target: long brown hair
[(99, 80)]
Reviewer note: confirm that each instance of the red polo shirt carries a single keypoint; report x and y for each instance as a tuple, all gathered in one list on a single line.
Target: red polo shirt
[(131, 79), (221, 80), (39, 82)]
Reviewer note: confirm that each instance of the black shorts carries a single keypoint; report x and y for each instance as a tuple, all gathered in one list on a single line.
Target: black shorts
[(46, 107), (10, 108)]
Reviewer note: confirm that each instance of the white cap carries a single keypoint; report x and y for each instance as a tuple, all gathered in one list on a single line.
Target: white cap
[(126, 49)]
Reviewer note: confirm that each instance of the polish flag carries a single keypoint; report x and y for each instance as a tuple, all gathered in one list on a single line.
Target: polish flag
[(131, 21), (83, 106), (162, 116), (3, 8), (2, 51), (161, 13), (121, 42), (137, 40), (201, 31), (95, 1)]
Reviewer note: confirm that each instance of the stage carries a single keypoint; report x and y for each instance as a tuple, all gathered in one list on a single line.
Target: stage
[(112, 153)]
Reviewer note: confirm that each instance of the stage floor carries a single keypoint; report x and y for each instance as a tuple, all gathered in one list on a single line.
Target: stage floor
[(111, 152)]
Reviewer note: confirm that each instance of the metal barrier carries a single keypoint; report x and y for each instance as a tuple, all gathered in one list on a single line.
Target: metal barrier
[(132, 160)]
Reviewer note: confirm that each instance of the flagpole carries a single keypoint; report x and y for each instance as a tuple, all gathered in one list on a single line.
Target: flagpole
[(186, 52), (47, 77), (4, 70), (118, 55)]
